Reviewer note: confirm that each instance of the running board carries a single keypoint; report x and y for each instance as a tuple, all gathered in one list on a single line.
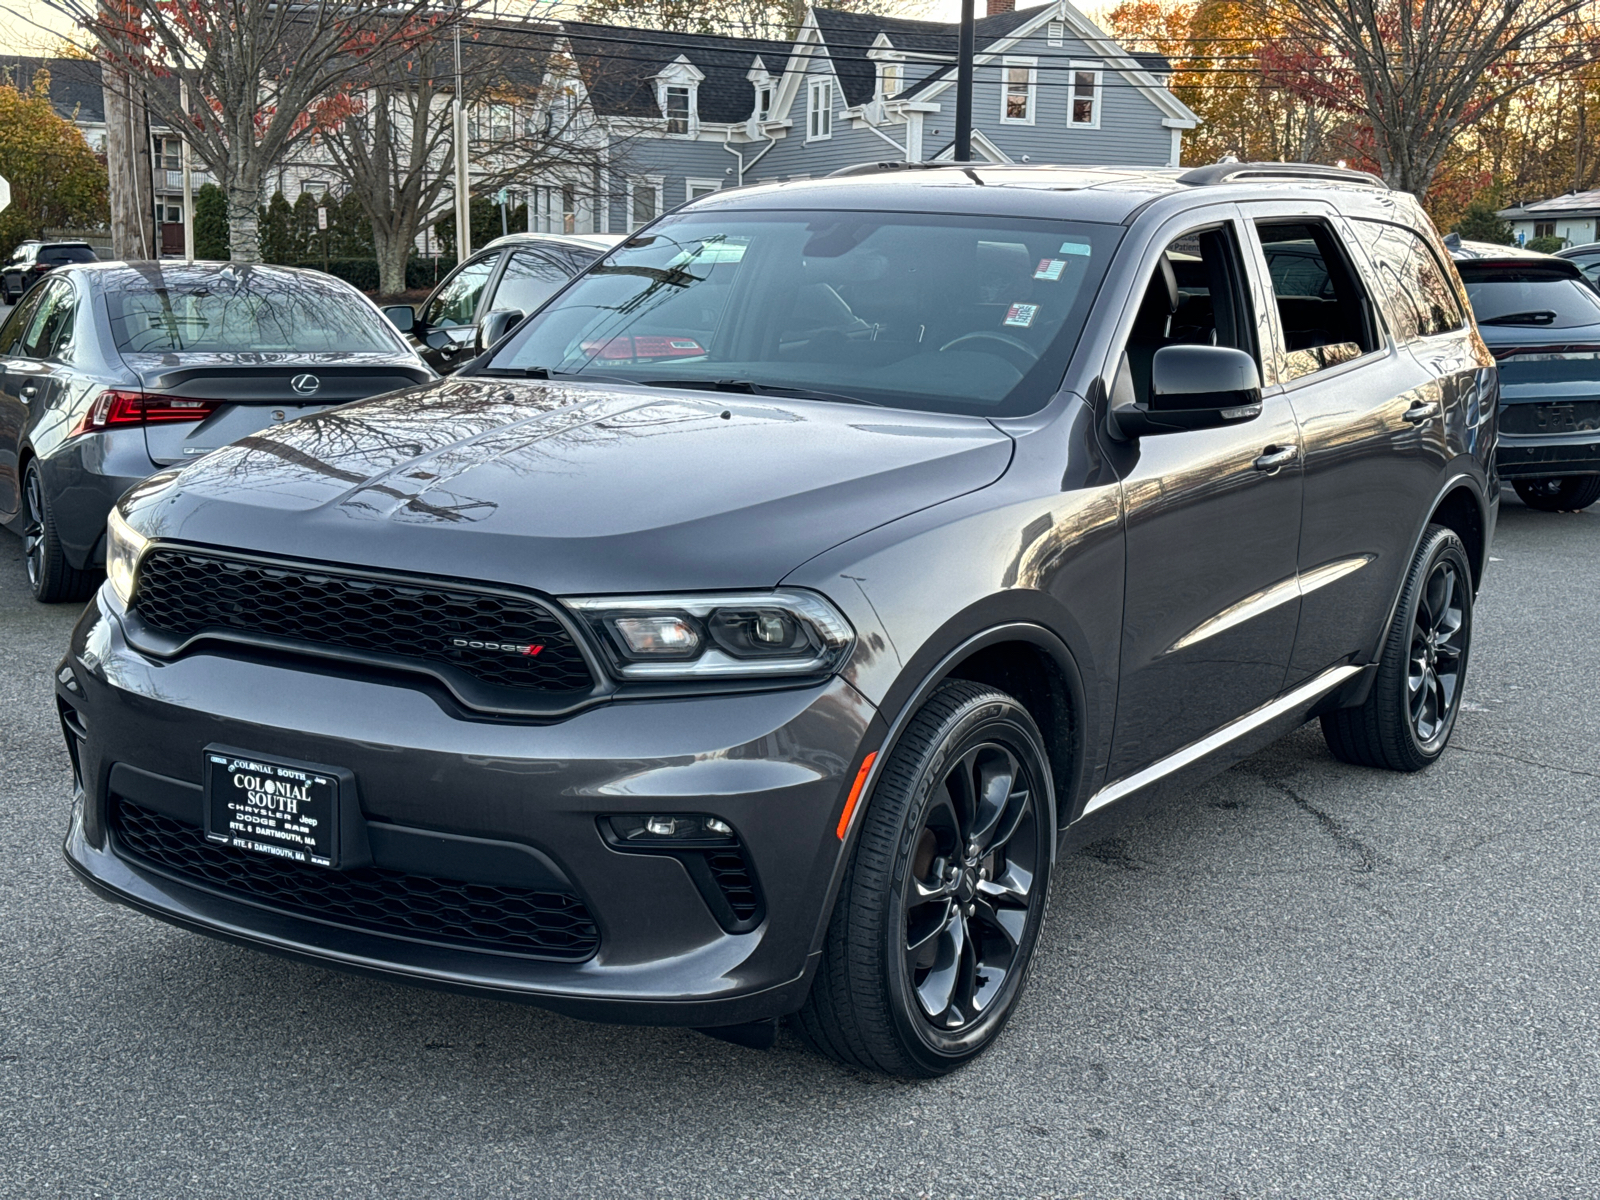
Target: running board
[(1194, 751)]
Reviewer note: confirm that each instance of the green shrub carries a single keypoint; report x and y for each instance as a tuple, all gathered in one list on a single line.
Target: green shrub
[(1546, 245), (1479, 224), (211, 223)]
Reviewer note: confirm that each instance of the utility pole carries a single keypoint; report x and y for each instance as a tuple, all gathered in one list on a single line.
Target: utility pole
[(964, 52), (188, 181), (463, 199)]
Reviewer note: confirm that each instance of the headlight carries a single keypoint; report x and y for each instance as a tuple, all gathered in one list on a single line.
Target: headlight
[(123, 550), (712, 636)]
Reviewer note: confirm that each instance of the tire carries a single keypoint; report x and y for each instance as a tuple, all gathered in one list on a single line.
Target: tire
[(899, 989), (1559, 493), (52, 578), (1411, 710), (5, 291)]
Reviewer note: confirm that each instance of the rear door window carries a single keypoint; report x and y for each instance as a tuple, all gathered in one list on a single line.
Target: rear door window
[(1534, 295), (1324, 314), (14, 332), (53, 316), (1413, 289)]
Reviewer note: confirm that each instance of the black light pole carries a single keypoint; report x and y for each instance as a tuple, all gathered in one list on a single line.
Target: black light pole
[(964, 50)]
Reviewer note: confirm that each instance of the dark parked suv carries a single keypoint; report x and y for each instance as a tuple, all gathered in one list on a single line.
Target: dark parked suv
[(767, 677)]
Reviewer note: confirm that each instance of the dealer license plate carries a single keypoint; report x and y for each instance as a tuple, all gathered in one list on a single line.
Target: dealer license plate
[(283, 809)]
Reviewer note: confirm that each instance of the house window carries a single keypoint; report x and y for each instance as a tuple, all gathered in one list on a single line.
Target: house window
[(702, 187), (1053, 33), (1084, 100), (644, 202), (492, 122), (891, 78), (1016, 104), (678, 111), (317, 187), (1544, 229), (819, 110), (169, 154), (173, 214), (763, 103)]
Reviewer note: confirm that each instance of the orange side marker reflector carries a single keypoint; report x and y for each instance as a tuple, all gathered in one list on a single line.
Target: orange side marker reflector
[(855, 793)]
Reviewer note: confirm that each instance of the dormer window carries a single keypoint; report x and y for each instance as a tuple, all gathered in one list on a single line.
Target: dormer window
[(679, 111), (763, 103), (891, 79)]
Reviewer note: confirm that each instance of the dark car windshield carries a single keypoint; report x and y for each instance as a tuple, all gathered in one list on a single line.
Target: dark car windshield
[(59, 255), (243, 312), (1533, 295), (951, 313)]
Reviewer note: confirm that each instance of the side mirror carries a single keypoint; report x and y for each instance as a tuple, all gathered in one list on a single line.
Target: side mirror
[(495, 326), (1191, 387), (402, 316)]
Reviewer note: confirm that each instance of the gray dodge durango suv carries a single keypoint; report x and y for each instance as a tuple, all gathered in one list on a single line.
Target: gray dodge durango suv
[(745, 634)]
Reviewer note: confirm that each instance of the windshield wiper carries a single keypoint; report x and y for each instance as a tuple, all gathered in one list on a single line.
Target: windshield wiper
[(1541, 316), (750, 388), (547, 373)]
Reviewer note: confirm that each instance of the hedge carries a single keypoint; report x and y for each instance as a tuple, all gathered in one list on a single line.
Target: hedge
[(362, 273)]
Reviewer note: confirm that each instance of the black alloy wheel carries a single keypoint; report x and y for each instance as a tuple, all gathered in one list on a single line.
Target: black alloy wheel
[(1406, 720), (52, 578), (1559, 493), (935, 925)]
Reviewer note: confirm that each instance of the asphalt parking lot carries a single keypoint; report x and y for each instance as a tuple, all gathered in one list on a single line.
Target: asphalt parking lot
[(1309, 980)]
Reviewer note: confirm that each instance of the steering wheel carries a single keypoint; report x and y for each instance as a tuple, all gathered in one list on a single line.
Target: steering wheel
[(1022, 356)]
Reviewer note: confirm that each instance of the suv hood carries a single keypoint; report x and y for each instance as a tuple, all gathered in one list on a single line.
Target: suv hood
[(574, 488)]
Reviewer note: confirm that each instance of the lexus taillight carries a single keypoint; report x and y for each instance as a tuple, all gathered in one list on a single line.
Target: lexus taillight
[(115, 410)]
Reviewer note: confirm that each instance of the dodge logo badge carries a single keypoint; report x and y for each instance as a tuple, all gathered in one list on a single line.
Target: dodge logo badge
[(506, 647), (305, 385)]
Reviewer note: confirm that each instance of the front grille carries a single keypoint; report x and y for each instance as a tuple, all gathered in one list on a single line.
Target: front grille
[(474, 915), (486, 635), (1577, 416), (732, 874)]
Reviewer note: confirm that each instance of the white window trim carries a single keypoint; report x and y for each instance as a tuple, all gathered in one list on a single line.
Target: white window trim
[(815, 87), (693, 89), (689, 186), (886, 65), (655, 182), (1054, 32), (1032, 64), (1099, 70)]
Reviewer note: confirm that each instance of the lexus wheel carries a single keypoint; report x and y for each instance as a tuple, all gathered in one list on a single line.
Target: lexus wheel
[(1559, 493), (52, 578), (1407, 718), (935, 925)]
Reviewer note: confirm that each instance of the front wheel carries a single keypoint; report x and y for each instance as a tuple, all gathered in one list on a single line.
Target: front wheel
[(1559, 493), (1409, 713), (936, 920)]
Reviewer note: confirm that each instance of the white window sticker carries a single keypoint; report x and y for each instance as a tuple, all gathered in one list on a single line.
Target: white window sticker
[(1021, 315), (1050, 268), (1080, 248)]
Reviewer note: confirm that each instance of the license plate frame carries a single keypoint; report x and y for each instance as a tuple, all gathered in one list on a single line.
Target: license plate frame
[(275, 807)]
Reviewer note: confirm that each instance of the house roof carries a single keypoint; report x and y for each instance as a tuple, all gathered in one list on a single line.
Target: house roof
[(1573, 204), (74, 84), (619, 65)]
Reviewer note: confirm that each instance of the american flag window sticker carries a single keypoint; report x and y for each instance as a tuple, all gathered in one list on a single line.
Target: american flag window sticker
[(1021, 315), (1050, 269)]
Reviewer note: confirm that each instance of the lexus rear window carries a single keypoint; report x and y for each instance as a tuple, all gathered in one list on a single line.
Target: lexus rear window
[(1533, 296), (244, 312), (60, 255), (946, 313)]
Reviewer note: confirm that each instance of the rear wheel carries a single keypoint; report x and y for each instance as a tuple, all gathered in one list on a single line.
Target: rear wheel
[(52, 578), (1409, 713), (936, 920), (1559, 493)]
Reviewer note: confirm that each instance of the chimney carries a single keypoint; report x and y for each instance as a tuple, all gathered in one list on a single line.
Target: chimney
[(996, 7)]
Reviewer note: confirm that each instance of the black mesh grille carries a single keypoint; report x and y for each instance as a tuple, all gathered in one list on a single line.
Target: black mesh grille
[(1578, 416), (475, 915), (732, 874), (487, 636)]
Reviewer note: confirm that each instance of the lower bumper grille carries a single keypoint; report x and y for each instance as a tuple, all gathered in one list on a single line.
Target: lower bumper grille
[(479, 916)]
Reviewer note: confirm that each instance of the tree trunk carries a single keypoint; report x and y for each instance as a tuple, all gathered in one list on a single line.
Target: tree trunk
[(392, 254), (244, 201), (128, 170)]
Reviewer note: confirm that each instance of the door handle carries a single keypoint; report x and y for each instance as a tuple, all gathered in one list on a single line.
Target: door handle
[(1274, 457), (1422, 410)]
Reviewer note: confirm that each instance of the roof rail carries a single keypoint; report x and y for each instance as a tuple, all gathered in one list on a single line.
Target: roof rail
[(875, 168), (1238, 172)]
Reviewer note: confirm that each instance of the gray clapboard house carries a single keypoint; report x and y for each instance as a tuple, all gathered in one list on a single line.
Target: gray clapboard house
[(685, 114)]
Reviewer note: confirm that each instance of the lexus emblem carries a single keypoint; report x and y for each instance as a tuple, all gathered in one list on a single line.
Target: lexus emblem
[(305, 385)]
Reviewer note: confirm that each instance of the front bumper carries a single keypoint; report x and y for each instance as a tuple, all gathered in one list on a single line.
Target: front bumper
[(774, 765)]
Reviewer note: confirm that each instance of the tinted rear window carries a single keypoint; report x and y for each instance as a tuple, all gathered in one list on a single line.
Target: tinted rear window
[(1534, 295), (245, 312), (59, 255)]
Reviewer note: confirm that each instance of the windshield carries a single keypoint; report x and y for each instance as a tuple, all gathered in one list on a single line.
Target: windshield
[(247, 312), (958, 314), (1529, 295)]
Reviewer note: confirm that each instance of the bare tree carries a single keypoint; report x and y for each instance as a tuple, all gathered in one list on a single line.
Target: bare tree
[(248, 80), (1419, 71), (392, 148)]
